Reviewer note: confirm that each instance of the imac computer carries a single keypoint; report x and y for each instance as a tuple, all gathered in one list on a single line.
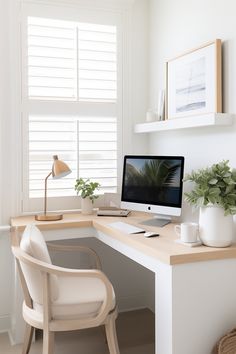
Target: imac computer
[(153, 184)]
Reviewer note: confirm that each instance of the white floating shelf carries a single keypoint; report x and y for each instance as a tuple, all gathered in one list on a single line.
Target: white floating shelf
[(206, 120)]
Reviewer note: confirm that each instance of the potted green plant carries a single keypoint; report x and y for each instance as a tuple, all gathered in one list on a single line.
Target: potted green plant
[(214, 192), (86, 189)]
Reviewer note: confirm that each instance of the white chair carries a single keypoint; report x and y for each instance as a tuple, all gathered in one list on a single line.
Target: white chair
[(60, 299)]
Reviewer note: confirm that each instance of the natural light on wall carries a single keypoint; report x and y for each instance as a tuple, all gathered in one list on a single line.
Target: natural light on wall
[(75, 63)]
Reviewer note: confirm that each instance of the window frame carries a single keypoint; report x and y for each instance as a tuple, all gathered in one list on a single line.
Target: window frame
[(73, 107)]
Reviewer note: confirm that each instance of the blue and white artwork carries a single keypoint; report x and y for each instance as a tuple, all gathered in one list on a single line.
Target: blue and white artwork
[(194, 82), (191, 86)]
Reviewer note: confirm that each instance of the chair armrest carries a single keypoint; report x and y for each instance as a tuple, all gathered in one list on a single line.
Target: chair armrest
[(49, 269), (75, 248)]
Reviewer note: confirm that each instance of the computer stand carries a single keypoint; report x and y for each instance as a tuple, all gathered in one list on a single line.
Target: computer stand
[(158, 221)]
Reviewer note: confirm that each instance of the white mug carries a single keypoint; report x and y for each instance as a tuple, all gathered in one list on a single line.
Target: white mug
[(187, 231)]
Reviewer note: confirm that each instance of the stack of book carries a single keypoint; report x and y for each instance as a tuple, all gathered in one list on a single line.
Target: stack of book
[(112, 211)]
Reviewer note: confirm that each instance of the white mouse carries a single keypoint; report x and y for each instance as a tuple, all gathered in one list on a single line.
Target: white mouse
[(151, 234)]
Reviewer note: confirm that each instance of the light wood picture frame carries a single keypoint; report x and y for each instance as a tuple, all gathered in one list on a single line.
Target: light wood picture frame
[(194, 82)]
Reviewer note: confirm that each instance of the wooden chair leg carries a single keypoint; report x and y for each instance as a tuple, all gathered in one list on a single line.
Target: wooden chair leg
[(29, 331), (48, 342), (103, 333), (110, 328)]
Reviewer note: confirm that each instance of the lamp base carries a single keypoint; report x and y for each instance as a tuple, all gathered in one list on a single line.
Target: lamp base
[(48, 217)]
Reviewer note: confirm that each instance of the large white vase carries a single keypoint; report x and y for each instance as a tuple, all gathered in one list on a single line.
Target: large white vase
[(215, 229), (86, 206)]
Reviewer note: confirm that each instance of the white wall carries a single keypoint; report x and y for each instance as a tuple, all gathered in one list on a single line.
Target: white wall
[(6, 278), (177, 26), (138, 70), (10, 115), (5, 255), (4, 93)]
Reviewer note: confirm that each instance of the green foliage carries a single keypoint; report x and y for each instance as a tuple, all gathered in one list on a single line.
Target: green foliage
[(213, 185), (86, 189)]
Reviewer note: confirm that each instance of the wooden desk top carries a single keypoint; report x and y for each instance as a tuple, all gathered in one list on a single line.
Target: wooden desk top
[(163, 248)]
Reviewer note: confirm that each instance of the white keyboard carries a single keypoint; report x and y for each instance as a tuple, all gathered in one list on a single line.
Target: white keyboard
[(127, 228)]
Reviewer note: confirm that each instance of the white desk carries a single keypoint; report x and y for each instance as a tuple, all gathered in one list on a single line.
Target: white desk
[(195, 291)]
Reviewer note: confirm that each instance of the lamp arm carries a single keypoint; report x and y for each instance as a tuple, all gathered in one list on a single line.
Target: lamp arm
[(45, 193)]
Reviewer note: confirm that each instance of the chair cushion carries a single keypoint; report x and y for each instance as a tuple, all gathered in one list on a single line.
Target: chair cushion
[(33, 243), (78, 298)]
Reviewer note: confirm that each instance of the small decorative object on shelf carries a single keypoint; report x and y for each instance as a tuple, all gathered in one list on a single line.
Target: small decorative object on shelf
[(86, 189), (214, 193), (161, 105), (150, 116)]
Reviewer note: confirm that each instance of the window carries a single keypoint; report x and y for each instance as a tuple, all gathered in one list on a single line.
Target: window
[(70, 105)]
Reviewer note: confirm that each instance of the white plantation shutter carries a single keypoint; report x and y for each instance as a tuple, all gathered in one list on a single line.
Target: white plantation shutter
[(74, 63), (58, 51)]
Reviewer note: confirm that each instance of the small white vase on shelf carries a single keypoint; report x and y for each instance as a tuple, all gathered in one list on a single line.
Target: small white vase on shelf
[(86, 206), (215, 229)]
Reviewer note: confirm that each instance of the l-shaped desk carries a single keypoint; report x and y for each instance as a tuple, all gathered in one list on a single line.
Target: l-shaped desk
[(195, 288)]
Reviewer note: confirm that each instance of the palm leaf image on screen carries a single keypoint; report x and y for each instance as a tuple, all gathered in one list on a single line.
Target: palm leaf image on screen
[(157, 180)]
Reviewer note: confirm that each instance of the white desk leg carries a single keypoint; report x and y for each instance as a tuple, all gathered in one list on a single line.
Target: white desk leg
[(195, 306), (163, 310)]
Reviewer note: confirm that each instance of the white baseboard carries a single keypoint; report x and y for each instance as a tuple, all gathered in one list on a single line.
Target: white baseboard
[(129, 303), (5, 323), (10, 335)]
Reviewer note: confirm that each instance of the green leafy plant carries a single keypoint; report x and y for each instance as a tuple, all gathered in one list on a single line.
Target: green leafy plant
[(215, 185), (86, 188)]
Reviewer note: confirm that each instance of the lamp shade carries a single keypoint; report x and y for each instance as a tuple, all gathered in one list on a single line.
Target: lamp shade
[(59, 168)]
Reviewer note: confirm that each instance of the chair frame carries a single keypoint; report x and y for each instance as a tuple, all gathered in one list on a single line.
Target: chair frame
[(76, 248), (105, 316)]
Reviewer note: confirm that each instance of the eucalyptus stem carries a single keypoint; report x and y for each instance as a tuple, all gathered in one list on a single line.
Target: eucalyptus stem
[(86, 189)]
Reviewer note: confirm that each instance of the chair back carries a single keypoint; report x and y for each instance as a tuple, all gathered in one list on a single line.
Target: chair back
[(33, 243)]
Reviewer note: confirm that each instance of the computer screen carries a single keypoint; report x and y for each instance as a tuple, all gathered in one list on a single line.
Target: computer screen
[(153, 184)]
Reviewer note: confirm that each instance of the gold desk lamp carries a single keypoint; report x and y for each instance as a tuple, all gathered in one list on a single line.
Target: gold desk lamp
[(59, 170)]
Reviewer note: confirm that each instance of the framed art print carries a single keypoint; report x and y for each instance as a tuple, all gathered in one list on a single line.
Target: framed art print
[(194, 82)]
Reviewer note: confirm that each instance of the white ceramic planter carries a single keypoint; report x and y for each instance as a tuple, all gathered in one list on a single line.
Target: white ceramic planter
[(86, 206), (215, 229)]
